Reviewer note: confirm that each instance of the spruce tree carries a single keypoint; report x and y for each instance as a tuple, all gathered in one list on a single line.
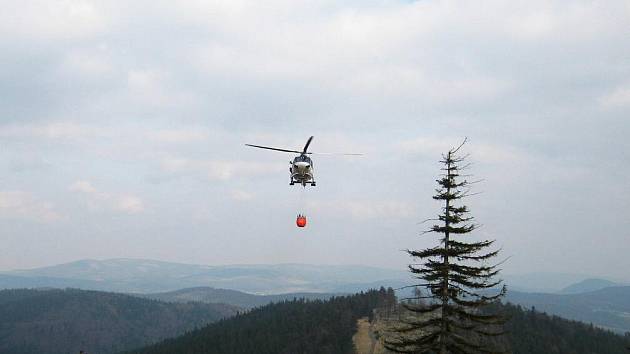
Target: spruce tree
[(455, 273)]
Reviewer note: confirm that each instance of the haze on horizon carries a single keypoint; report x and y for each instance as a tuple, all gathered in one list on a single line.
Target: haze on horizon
[(122, 128)]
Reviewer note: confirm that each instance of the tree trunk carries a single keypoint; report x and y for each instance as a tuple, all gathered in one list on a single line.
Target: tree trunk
[(445, 261)]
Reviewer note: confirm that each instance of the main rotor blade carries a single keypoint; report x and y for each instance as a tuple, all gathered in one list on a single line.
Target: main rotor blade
[(275, 149), (308, 142), (335, 153)]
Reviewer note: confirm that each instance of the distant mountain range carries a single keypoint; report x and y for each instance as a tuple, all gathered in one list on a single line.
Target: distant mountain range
[(551, 282), (608, 308), (66, 321), (148, 276), (588, 285)]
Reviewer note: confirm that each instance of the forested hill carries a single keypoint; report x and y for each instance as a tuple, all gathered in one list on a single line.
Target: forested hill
[(608, 308), (67, 321), (302, 326), (298, 326), (527, 331), (232, 297), (533, 332)]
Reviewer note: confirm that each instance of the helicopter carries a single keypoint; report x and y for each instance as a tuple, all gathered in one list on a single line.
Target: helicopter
[(301, 168)]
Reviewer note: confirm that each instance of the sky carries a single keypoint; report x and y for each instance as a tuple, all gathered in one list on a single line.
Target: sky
[(123, 124)]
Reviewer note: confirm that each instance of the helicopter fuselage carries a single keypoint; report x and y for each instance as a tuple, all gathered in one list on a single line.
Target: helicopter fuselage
[(301, 170)]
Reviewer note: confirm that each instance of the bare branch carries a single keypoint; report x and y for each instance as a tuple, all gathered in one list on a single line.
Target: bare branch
[(460, 145), (423, 221)]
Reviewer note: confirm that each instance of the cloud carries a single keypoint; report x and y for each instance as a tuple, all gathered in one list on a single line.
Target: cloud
[(59, 20), (147, 86), (86, 187), (179, 135), (22, 205), (483, 152), (93, 63), (222, 170), (158, 96), (618, 98), (152, 88), (374, 52), (98, 200), (51, 130), (379, 209), (241, 195), (130, 204), (365, 209)]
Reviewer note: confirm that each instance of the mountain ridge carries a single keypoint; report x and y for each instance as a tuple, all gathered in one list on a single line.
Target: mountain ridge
[(232, 297), (149, 276), (588, 285), (306, 327)]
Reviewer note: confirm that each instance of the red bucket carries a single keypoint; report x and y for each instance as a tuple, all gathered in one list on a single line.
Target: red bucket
[(300, 221)]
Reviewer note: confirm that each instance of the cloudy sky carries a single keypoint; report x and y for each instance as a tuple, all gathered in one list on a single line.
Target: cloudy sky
[(122, 127)]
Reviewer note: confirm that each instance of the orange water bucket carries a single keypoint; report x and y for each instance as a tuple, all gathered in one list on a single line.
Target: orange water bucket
[(300, 221)]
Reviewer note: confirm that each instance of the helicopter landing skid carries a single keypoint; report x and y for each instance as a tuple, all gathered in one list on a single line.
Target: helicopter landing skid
[(312, 183)]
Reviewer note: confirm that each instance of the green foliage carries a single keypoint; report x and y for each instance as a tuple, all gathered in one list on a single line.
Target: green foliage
[(232, 297), (297, 326), (608, 308), (533, 332), (528, 331)]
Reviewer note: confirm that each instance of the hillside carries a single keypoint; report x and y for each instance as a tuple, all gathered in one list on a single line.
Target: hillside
[(66, 321), (290, 327), (608, 308), (149, 276), (331, 326), (231, 297), (533, 332)]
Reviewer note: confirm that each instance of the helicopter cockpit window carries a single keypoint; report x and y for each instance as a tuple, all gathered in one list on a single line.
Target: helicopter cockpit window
[(302, 159)]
